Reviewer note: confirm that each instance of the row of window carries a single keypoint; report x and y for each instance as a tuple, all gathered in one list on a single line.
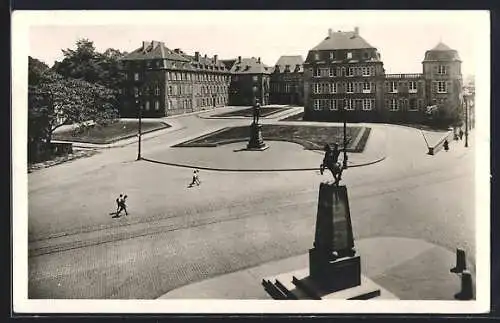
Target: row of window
[(411, 104), (183, 76), (147, 105), (287, 88), (349, 87), (179, 89), (255, 78), (332, 55), (348, 104), (439, 87), (367, 104), (392, 87), (344, 71), (186, 104)]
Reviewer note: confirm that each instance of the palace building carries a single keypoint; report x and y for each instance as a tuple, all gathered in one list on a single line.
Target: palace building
[(287, 85), (250, 79), (168, 82), (344, 76)]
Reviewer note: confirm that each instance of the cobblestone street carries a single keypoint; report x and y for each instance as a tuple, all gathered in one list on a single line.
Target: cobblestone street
[(235, 220)]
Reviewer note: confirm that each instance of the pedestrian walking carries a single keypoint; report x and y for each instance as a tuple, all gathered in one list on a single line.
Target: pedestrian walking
[(196, 179), (118, 201), (122, 206), (446, 145), (461, 133)]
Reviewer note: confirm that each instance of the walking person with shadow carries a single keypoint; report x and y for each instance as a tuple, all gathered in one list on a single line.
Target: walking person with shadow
[(122, 206), (196, 179)]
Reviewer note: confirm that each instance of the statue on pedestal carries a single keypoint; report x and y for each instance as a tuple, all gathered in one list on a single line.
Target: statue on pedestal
[(256, 141), (330, 162)]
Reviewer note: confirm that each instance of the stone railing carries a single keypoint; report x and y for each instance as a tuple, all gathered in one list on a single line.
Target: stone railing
[(403, 76)]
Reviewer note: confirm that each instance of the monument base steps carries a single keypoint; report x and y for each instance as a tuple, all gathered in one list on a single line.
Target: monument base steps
[(257, 148), (299, 285)]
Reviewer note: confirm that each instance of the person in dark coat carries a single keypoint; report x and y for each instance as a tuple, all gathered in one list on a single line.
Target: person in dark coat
[(446, 145), (196, 179), (461, 134), (122, 206)]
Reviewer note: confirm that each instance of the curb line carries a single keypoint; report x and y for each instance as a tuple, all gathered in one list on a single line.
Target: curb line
[(255, 170)]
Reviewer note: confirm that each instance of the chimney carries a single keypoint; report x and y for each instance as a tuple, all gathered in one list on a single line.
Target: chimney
[(215, 59), (239, 59), (330, 32), (177, 50), (145, 45), (156, 43), (356, 31), (205, 55), (258, 60), (197, 56)]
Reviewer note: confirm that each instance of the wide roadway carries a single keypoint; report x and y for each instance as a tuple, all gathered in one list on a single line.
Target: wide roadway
[(175, 236)]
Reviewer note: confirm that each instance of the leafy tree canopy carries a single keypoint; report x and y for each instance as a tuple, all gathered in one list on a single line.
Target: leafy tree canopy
[(85, 63), (56, 101)]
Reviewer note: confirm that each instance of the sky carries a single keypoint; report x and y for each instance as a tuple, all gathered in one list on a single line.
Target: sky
[(402, 37)]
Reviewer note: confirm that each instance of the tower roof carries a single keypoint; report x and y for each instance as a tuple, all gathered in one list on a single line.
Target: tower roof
[(343, 40), (441, 47), (441, 52)]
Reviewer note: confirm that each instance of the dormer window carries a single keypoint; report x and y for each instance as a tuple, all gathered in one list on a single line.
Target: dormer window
[(366, 55), (316, 56), (349, 55), (332, 55)]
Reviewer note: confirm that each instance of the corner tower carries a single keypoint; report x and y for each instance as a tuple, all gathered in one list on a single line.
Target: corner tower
[(443, 77)]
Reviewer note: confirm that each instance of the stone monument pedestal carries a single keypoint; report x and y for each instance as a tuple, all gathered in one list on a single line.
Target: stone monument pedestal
[(256, 141), (334, 268)]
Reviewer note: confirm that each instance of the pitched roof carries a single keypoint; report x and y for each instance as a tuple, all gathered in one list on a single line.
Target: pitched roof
[(250, 66), (290, 60), (343, 40), (154, 50), (228, 62), (441, 47), (174, 58)]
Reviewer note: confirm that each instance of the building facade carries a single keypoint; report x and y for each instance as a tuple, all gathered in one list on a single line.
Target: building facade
[(167, 82), (250, 79), (344, 76), (286, 81)]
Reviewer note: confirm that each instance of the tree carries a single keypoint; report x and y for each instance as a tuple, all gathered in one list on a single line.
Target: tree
[(85, 63), (58, 101), (35, 70)]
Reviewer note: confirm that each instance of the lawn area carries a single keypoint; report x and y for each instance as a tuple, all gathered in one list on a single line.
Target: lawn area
[(98, 134), (248, 112), (310, 137)]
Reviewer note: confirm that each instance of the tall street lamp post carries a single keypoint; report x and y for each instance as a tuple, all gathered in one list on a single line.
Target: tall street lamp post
[(466, 122), (138, 104), (139, 108), (344, 116)]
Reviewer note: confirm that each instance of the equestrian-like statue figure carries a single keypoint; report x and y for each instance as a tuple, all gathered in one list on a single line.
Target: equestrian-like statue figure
[(330, 162)]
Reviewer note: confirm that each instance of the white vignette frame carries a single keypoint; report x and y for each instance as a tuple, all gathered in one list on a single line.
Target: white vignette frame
[(23, 20)]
